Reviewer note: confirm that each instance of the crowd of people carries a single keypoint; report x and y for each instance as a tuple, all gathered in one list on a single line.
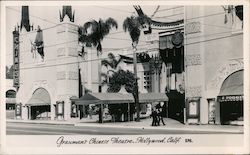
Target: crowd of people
[(157, 117)]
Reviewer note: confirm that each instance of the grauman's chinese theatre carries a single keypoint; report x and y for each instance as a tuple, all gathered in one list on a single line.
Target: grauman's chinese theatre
[(46, 71)]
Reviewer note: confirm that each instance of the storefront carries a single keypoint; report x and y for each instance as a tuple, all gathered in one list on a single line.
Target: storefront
[(10, 99), (39, 105), (230, 99)]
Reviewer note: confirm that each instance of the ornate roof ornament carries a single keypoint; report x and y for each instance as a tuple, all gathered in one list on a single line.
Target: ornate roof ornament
[(25, 21), (148, 24), (67, 10)]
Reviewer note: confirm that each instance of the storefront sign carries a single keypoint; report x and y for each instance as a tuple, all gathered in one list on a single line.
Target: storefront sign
[(16, 52), (230, 98)]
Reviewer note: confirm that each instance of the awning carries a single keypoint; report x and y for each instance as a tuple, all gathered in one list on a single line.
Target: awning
[(40, 97), (232, 88), (117, 98)]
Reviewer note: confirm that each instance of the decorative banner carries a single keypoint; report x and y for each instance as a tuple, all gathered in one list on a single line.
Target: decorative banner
[(16, 52)]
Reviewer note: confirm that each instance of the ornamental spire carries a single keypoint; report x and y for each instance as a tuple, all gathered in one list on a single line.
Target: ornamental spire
[(25, 21), (67, 10)]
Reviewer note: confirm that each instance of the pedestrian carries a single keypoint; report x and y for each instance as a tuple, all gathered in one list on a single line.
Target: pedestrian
[(154, 117), (90, 112), (160, 116)]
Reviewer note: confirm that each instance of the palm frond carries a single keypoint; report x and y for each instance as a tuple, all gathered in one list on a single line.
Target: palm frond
[(93, 24), (105, 63), (133, 26), (99, 29), (111, 23)]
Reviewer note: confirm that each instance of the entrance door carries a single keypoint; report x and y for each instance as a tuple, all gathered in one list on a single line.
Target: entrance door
[(40, 112), (176, 105), (231, 111), (175, 109)]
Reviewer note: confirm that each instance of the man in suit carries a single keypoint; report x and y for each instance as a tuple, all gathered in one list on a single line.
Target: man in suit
[(160, 116)]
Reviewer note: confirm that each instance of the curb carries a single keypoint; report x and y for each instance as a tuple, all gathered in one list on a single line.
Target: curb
[(161, 128), (35, 122), (184, 128)]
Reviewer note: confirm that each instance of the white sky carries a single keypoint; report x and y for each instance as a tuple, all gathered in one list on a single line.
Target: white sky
[(46, 17)]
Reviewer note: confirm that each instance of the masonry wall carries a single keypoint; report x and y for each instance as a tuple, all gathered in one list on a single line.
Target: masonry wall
[(211, 45)]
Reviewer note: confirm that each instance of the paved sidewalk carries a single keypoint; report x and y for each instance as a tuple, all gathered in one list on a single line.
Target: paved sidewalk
[(170, 125), (143, 124), (52, 122)]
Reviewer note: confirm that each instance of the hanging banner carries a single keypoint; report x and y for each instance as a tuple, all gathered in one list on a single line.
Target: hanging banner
[(16, 58)]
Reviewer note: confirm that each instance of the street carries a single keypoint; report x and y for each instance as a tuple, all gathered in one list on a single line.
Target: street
[(49, 129)]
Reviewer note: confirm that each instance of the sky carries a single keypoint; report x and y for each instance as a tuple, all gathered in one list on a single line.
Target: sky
[(47, 16)]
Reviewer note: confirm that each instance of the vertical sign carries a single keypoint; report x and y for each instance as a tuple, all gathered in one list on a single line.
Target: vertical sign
[(16, 59)]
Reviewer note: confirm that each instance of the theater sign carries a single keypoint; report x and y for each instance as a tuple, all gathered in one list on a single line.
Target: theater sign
[(16, 59)]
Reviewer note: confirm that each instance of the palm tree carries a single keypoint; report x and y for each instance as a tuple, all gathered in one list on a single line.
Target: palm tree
[(117, 80), (133, 26), (111, 64), (99, 29)]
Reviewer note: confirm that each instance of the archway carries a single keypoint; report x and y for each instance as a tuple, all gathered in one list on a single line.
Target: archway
[(231, 99), (39, 104), (10, 103), (10, 99)]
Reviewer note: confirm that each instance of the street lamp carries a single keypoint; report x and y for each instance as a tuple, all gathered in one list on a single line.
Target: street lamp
[(156, 66)]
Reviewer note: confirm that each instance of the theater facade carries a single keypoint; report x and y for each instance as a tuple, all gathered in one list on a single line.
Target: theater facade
[(195, 59)]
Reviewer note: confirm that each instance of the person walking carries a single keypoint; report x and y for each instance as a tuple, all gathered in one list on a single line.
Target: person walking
[(154, 117), (160, 116)]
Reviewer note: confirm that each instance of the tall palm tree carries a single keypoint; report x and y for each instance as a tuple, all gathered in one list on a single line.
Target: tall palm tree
[(98, 31), (133, 26)]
